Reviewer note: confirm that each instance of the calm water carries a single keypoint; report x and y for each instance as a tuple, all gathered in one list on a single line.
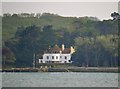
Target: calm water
[(60, 79)]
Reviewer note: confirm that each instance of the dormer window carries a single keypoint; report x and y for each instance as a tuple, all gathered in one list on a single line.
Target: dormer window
[(60, 51)]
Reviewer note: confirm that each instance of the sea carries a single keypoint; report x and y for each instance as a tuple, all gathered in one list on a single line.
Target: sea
[(59, 79)]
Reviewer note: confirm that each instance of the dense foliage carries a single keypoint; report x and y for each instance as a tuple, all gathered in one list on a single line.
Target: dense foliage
[(95, 41)]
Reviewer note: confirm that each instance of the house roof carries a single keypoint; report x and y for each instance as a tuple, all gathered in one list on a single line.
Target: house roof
[(57, 49), (66, 50)]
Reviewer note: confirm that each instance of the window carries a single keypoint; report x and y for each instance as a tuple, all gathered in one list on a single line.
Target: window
[(41, 61), (47, 57), (47, 62), (56, 57), (65, 57), (65, 61), (50, 61), (60, 56), (52, 57)]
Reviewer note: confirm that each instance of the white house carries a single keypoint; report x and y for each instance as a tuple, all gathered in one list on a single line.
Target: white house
[(57, 55)]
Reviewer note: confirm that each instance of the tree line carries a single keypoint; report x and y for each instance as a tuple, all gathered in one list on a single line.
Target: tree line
[(37, 15)]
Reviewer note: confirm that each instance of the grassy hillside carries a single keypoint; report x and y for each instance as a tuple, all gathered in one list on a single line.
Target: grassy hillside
[(11, 23)]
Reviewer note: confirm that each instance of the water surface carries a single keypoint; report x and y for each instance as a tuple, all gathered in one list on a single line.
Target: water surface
[(60, 79)]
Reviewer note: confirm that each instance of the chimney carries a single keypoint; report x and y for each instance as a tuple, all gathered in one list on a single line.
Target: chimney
[(72, 50), (63, 47)]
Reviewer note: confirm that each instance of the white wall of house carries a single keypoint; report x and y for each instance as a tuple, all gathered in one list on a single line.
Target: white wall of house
[(61, 58), (65, 58)]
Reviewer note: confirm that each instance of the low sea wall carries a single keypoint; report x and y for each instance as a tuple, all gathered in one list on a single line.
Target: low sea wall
[(83, 69), (69, 69)]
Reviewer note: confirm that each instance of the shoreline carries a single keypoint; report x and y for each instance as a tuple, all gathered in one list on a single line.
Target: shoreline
[(69, 69)]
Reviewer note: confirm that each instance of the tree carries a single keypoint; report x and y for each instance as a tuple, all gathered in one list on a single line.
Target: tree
[(30, 40), (115, 15), (6, 15), (8, 57), (38, 15), (15, 15)]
